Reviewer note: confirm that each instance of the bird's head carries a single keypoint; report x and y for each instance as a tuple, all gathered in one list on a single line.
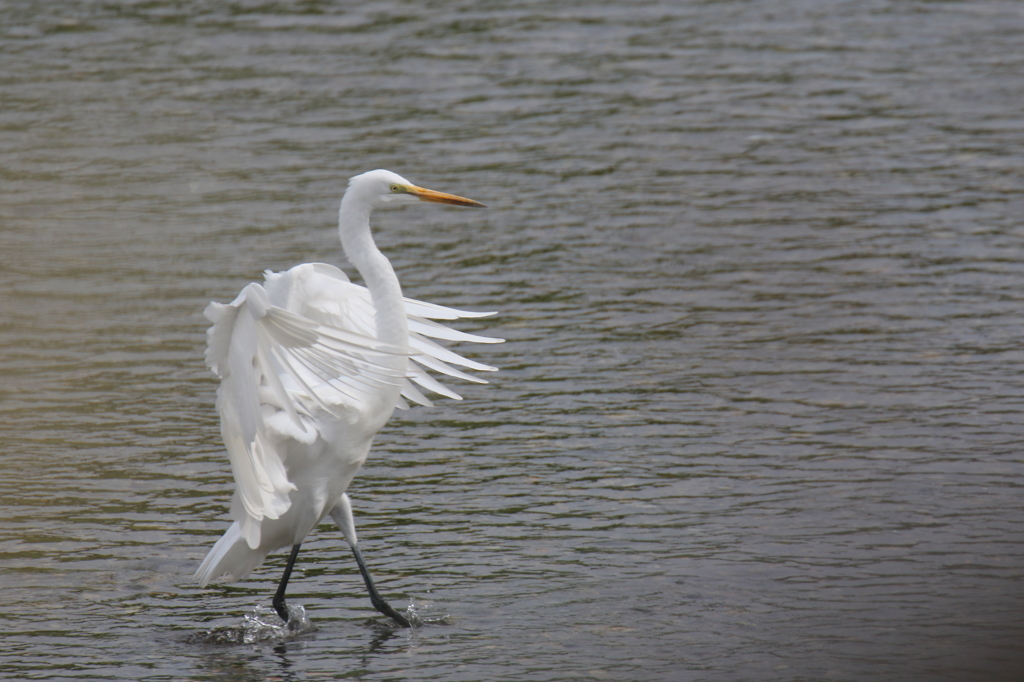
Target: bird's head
[(382, 187)]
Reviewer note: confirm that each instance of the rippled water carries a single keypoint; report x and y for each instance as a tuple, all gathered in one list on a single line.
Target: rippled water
[(759, 265)]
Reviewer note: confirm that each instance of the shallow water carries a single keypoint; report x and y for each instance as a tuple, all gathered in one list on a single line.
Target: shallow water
[(759, 266)]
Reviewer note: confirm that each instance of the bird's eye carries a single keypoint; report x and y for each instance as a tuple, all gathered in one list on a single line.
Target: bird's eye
[(395, 189)]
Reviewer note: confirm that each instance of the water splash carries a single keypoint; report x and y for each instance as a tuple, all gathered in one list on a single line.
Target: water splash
[(260, 626), (418, 619)]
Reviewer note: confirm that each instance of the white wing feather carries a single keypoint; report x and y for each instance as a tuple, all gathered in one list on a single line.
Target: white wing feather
[(308, 337), (325, 294)]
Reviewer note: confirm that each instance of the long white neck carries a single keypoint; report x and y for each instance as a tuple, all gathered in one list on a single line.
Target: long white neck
[(380, 278)]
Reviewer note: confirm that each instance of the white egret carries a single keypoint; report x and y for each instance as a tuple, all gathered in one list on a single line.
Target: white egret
[(311, 367)]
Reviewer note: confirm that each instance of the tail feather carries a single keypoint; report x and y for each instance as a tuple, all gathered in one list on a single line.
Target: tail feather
[(230, 556)]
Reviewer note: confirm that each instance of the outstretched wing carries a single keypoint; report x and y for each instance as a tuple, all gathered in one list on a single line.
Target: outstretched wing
[(308, 338), (323, 293)]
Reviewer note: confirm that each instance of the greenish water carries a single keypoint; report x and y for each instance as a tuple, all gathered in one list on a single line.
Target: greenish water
[(759, 266)]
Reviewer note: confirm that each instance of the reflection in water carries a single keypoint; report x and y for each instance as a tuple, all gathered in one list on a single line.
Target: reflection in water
[(272, 654), (275, 662)]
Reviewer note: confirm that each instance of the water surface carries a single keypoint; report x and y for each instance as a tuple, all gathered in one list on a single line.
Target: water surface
[(759, 266)]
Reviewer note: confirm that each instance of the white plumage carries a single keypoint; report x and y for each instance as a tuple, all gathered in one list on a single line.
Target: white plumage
[(311, 368)]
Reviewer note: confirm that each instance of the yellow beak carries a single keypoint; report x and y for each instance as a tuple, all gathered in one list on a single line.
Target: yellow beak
[(424, 194)]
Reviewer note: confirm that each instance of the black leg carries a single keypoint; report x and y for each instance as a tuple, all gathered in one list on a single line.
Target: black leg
[(375, 598), (278, 602)]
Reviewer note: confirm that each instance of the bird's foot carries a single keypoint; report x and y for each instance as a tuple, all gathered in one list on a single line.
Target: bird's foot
[(282, 609), (294, 619), (381, 605)]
